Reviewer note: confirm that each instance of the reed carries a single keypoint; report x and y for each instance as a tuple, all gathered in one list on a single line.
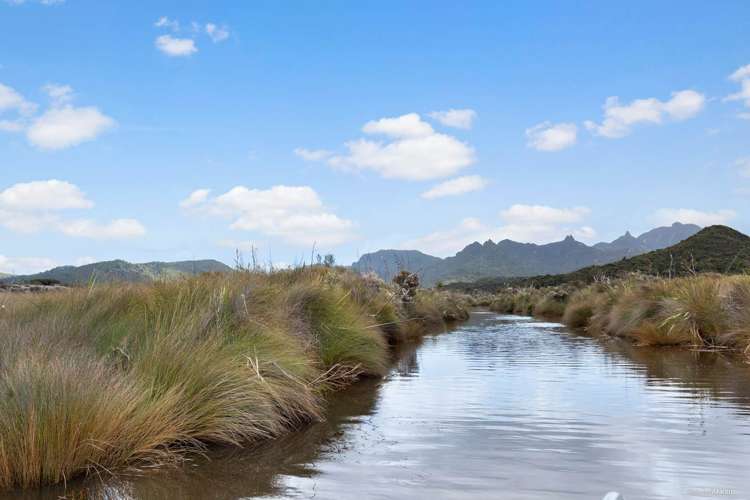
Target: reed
[(126, 376), (707, 310)]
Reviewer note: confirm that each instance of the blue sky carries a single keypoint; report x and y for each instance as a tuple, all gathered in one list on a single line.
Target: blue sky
[(173, 130)]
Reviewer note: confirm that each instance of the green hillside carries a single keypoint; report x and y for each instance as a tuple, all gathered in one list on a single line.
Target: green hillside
[(120, 270), (715, 249)]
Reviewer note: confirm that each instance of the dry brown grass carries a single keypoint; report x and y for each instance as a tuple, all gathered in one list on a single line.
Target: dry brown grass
[(709, 311), (117, 376)]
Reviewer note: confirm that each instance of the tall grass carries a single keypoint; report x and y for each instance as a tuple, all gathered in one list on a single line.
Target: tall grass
[(708, 311), (115, 376)]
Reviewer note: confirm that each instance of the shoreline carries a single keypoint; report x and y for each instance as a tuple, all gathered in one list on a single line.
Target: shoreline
[(708, 312), (118, 377)]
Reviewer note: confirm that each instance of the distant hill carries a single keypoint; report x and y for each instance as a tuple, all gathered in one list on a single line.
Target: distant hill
[(120, 270), (512, 259), (388, 263), (5, 275), (716, 249)]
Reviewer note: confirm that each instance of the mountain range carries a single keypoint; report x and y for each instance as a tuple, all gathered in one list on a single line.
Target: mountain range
[(120, 270), (715, 249), (509, 258)]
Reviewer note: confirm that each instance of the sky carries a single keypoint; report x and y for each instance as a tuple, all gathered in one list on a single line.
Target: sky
[(170, 130)]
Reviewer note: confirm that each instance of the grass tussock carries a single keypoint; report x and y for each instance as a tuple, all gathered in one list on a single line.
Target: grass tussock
[(708, 311), (97, 379)]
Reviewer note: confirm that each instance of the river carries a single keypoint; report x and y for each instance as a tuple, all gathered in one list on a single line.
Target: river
[(502, 407)]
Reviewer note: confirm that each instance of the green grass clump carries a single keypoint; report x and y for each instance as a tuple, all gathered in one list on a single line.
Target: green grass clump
[(106, 377), (706, 310), (550, 306)]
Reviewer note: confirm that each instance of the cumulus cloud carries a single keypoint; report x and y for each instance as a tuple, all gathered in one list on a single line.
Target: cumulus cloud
[(44, 195), (619, 119), (175, 47), (457, 118), (11, 100), (523, 223), (215, 33), (37, 206), (455, 187), (60, 128), (409, 125), (742, 76), (195, 198), (312, 154), (295, 214), (742, 73), (15, 110), (666, 216), (413, 151), (25, 265), (547, 136)]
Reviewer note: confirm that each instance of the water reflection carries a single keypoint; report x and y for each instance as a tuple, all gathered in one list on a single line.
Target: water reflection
[(503, 407)]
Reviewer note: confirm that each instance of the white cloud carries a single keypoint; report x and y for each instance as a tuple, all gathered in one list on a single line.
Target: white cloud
[(742, 76), (175, 47), (60, 94), (522, 223), (312, 154), (416, 151), (165, 22), (195, 198), (60, 128), (547, 136), (295, 214), (43, 195), (117, 229), (619, 119), (216, 33), (409, 125), (666, 216), (743, 166), (37, 206), (457, 118), (455, 187), (742, 73), (11, 100), (25, 265)]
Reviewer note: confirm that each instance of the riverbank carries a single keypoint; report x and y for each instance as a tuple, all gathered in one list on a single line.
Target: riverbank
[(127, 376), (706, 311)]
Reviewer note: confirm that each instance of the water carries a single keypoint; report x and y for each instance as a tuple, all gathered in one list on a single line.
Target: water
[(502, 407)]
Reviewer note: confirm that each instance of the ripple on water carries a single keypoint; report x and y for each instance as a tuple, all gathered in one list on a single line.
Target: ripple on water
[(502, 407)]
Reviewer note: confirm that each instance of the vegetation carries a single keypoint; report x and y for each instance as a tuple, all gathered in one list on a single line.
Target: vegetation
[(132, 375), (715, 249), (508, 258), (119, 271), (706, 311)]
